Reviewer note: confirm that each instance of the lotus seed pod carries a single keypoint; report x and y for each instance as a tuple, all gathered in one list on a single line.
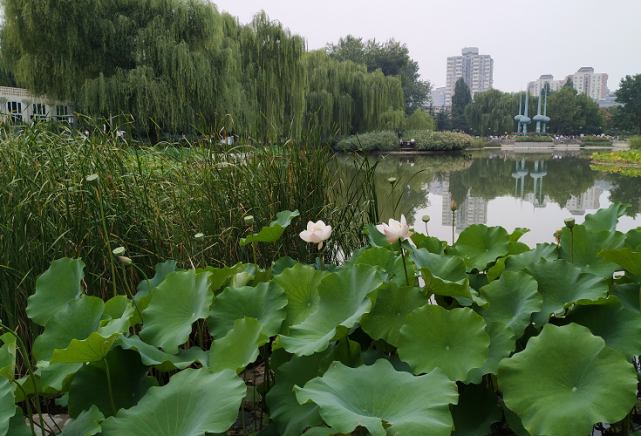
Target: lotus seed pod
[(118, 251), (569, 222), (125, 260), (199, 237), (249, 220), (391, 180), (559, 232), (93, 179), (426, 218)]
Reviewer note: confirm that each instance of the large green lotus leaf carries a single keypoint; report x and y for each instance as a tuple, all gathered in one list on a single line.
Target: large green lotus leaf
[(624, 257), (343, 301), (453, 340), (633, 238), (55, 289), (8, 356), (274, 231), (393, 304), (282, 264), (7, 406), (179, 301), (502, 344), (430, 243), (98, 344), (164, 362), (518, 262), (514, 422), (77, 321), (58, 376), (586, 247), (566, 371), (619, 327), (290, 417), (194, 401), (476, 411), (129, 382), (605, 219), (512, 300), (443, 275), (391, 264), (384, 401), (239, 348), (265, 302), (628, 294), (562, 284), (480, 245), (376, 238), (344, 351), (300, 284), (18, 426), (87, 423), (162, 271)]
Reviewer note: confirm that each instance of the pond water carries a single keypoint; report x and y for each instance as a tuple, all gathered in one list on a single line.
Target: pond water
[(534, 189)]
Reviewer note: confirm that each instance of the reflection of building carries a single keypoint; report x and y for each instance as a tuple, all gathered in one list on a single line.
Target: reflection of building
[(588, 200), (477, 71), (472, 211)]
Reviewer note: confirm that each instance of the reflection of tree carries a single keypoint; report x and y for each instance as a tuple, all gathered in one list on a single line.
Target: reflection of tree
[(626, 190)]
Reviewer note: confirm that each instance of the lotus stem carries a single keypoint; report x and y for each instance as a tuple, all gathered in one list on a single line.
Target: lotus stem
[(111, 394), (104, 228), (144, 275), (404, 265), (453, 224), (128, 289), (200, 334), (242, 402), (28, 403), (392, 181)]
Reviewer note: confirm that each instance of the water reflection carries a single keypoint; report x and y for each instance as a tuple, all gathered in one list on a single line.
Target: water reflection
[(534, 190)]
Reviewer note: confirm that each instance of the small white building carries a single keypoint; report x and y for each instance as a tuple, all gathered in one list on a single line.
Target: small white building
[(20, 107)]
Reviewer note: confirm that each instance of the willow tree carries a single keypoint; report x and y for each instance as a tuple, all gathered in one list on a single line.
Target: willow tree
[(492, 112)]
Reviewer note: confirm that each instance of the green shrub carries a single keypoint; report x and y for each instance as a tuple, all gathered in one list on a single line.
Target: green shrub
[(534, 139), (437, 141), (635, 141), (600, 140), (420, 120), (372, 141), (480, 143)]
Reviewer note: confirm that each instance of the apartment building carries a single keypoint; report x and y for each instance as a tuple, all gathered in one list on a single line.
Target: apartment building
[(594, 85), (476, 70), (537, 86)]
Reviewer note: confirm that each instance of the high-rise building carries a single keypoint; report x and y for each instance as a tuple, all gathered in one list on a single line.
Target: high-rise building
[(537, 86), (594, 85), (438, 97), (476, 70)]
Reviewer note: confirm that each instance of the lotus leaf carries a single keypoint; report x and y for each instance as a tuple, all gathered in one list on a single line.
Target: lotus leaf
[(376, 238), (391, 264), (430, 243), (7, 406), (633, 239), (624, 257), (129, 383), (179, 301), (512, 300), (87, 423), (393, 304), (517, 233), (502, 344), (239, 348), (8, 356), (344, 298), (562, 284), (199, 400), (480, 245), (162, 271), (77, 321), (344, 351), (300, 284), (619, 327), (58, 376), (575, 375), (514, 422), (17, 425), (265, 302), (605, 219), (274, 231), (453, 340), (282, 264), (382, 400), (476, 411), (442, 275), (518, 262), (628, 294), (163, 362), (290, 417), (55, 289), (586, 247)]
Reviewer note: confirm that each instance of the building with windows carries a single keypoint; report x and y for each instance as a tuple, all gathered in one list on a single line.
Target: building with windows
[(594, 85), (438, 97), (537, 86), (20, 107), (476, 70)]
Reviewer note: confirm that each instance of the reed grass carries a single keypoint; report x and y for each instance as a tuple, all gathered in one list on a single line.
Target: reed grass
[(157, 198)]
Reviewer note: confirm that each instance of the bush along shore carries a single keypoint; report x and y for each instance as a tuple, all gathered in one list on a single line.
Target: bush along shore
[(409, 335), (424, 140)]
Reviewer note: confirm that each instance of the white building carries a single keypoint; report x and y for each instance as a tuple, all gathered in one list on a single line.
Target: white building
[(439, 97), (537, 86), (476, 70), (20, 107), (594, 85)]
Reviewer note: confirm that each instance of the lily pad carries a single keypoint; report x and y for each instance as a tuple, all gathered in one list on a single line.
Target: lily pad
[(480, 245), (179, 301), (265, 302), (587, 245), (562, 284), (382, 400), (344, 298), (393, 304), (390, 264), (512, 300), (199, 400), (443, 275), (162, 271), (239, 348), (502, 344), (575, 375), (55, 289), (453, 340), (625, 258), (274, 231), (476, 411)]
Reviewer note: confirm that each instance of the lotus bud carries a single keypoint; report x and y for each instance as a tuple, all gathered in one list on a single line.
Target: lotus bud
[(125, 260), (118, 251), (569, 222), (249, 220), (453, 206), (93, 179), (391, 180), (199, 237), (426, 218)]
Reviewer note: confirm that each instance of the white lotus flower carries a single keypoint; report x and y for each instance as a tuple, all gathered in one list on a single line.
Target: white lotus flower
[(316, 232), (395, 230)]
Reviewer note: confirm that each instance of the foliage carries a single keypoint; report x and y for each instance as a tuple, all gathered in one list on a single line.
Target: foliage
[(573, 114), (460, 99), (629, 95), (492, 112), (424, 140), (634, 141), (420, 120), (428, 140), (352, 349), (624, 162), (534, 139), (372, 141)]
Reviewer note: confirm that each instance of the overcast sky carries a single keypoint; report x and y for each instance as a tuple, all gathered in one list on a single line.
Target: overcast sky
[(525, 38)]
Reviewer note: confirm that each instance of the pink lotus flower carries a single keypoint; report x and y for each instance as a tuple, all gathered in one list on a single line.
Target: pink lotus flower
[(395, 230), (316, 232)]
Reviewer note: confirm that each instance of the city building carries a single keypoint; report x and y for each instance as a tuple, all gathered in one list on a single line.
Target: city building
[(476, 70), (594, 85), (24, 108), (438, 97), (537, 86)]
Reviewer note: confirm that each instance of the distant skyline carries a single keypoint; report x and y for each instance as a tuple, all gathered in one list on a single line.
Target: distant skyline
[(524, 39)]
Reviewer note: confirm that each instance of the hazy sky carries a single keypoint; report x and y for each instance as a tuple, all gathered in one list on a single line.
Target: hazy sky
[(525, 38)]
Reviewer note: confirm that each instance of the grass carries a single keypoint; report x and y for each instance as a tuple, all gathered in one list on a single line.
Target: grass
[(157, 198), (634, 141)]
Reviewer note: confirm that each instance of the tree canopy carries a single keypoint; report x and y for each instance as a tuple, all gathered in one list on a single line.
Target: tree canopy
[(629, 95), (573, 114), (460, 99)]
